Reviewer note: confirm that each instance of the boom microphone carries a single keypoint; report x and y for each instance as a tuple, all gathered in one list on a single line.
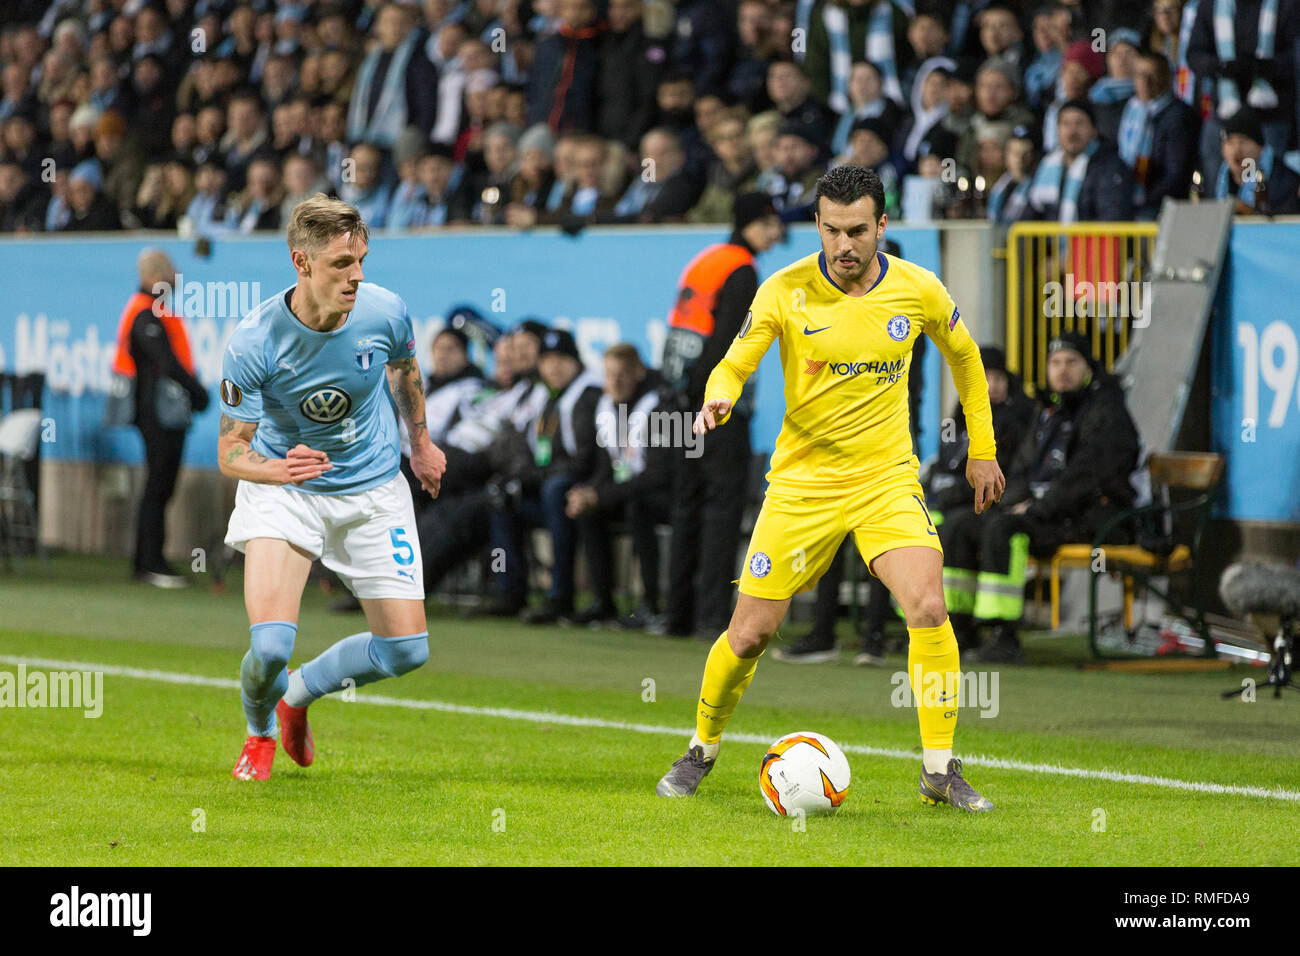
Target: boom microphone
[(1254, 587)]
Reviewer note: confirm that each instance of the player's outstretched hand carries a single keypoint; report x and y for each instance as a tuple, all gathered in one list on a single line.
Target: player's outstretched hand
[(987, 480), (707, 419), (429, 464), (305, 463)]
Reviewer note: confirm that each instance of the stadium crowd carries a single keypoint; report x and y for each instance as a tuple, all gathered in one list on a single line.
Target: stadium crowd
[(217, 116)]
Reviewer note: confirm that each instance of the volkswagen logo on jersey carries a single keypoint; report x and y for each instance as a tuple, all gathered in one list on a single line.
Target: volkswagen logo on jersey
[(898, 328), (326, 405), (760, 564)]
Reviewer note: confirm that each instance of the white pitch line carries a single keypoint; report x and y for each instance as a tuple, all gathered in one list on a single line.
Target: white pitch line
[(573, 720)]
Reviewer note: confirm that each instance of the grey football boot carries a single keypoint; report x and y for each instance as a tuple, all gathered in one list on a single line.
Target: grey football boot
[(685, 775), (951, 788)]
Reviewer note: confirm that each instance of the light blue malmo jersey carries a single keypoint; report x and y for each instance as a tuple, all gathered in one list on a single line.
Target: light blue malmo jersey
[(326, 390)]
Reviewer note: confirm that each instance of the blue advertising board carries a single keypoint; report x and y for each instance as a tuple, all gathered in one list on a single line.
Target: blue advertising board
[(63, 298), (1256, 362)]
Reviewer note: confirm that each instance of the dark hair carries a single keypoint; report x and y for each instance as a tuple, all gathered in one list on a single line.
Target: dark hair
[(458, 334), (1164, 76), (847, 184)]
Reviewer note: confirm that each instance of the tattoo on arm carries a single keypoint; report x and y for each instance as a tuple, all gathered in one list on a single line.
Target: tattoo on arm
[(238, 436), (243, 450), (407, 393)]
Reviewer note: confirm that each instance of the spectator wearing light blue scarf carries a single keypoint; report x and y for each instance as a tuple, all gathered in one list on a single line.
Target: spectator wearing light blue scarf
[(1248, 48), (1158, 134), (1252, 173), (1083, 179), (1109, 94)]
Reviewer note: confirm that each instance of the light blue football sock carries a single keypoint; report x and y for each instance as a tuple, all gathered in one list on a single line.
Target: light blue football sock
[(363, 658), (262, 674)]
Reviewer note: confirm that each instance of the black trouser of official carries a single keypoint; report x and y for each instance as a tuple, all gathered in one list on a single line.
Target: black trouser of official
[(162, 455), (985, 558), (708, 503), (452, 529), (509, 523), (642, 515)]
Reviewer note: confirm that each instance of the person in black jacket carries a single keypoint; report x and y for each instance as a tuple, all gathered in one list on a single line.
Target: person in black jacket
[(1106, 191), (632, 481), (538, 466), (563, 78), (630, 65), (1070, 475), (1158, 137), (1013, 412), (1253, 174), (713, 300), (22, 200), (152, 347), (457, 526), (90, 210), (1265, 83)]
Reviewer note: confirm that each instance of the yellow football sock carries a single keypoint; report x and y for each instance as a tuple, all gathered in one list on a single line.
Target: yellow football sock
[(935, 675), (725, 678)]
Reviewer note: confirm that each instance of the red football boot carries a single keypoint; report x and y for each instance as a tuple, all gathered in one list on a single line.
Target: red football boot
[(295, 733), (254, 761)]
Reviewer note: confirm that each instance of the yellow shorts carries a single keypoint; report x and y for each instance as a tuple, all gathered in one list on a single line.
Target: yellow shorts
[(795, 538)]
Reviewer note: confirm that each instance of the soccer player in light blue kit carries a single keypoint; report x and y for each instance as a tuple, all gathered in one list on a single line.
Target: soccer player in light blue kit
[(313, 381)]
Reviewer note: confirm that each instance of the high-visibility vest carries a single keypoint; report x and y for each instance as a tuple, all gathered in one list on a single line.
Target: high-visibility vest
[(123, 364), (691, 322), (701, 281)]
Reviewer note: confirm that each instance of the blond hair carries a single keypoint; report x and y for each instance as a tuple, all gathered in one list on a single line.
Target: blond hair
[(626, 353), (318, 219)]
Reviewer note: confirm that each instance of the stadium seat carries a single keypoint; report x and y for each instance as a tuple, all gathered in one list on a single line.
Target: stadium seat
[(1190, 477)]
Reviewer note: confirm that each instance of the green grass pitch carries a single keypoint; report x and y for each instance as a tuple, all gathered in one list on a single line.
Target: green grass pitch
[(472, 770)]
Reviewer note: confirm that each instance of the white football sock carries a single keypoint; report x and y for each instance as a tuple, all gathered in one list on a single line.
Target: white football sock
[(936, 761), (297, 694), (710, 750)]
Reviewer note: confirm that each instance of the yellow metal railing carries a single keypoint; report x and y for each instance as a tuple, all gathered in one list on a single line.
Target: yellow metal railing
[(1087, 277)]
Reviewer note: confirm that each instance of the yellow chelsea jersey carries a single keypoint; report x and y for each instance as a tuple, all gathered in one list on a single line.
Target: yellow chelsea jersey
[(846, 360)]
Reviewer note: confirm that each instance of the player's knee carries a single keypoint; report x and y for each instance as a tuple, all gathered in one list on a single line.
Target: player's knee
[(927, 610), (272, 645), (748, 640), (401, 655)]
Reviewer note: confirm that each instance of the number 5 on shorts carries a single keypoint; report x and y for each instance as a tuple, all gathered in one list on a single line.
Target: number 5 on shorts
[(404, 554)]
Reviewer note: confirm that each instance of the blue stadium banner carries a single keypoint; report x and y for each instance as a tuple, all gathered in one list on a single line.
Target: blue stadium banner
[(63, 298), (1256, 361)]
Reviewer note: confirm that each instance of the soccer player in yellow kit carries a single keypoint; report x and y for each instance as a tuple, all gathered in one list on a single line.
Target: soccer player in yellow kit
[(846, 319)]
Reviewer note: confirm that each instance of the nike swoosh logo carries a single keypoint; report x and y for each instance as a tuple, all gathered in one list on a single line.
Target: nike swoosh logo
[(707, 704), (808, 331)]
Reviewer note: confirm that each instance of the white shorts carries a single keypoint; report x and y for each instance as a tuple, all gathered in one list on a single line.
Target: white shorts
[(367, 538)]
